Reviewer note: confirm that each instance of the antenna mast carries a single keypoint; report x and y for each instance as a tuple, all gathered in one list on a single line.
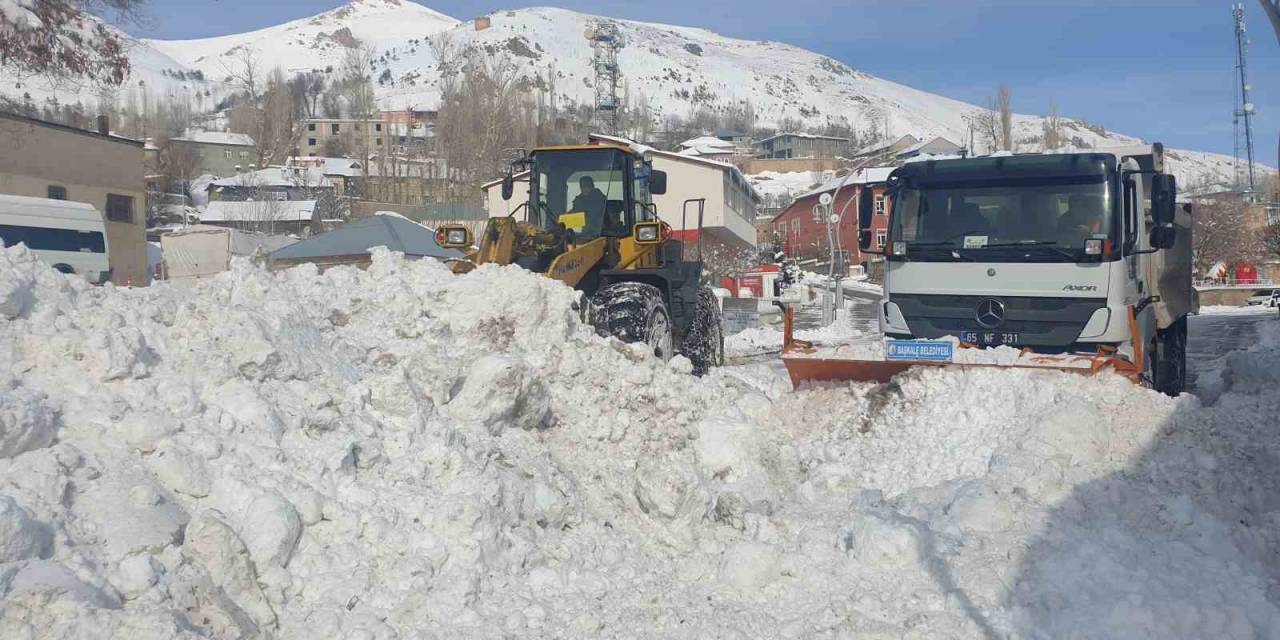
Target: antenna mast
[(606, 40), (1243, 107)]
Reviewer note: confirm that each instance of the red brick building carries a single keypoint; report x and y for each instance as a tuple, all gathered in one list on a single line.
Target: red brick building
[(802, 235)]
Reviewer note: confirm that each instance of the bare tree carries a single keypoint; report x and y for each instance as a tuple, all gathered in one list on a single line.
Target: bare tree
[(1223, 232), (1004, 103), (60, 40), (246, 74), (985, 121), (1052, 127)]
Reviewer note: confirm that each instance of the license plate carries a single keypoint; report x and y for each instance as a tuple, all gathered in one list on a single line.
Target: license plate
[(989, 338)]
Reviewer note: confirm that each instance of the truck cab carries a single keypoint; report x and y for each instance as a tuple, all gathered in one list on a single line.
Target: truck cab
[(1075, 253)]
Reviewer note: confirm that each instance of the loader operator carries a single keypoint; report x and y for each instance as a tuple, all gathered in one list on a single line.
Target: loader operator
[(1084, 217), (591, 202)]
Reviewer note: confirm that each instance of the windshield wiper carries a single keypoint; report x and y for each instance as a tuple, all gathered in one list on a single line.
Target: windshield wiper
[(1052, 245)]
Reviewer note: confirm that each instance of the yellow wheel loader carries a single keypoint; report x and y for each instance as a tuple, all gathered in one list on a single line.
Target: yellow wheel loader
[(590, 223)]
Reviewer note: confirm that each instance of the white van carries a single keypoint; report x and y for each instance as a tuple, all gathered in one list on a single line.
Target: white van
[(70, 236)]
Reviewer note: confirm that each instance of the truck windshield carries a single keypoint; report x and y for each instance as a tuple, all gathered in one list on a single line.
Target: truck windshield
[(582, 189), (1005, 210)]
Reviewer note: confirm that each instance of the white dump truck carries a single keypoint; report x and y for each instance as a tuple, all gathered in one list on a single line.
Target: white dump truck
[(1077, 261)]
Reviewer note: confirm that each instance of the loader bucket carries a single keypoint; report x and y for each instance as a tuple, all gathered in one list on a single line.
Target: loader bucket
[(805, 363)]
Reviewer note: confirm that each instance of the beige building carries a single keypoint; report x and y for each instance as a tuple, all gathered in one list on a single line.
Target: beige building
[(46, 160), (329, 136)]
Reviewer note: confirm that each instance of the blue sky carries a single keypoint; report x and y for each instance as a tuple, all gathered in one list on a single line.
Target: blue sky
[(1159, 69)]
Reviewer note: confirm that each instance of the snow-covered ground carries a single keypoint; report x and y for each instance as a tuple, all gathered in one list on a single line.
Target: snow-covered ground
[(404, 453)]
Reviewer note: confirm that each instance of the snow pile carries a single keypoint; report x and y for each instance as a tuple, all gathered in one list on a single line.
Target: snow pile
[(405, 453)]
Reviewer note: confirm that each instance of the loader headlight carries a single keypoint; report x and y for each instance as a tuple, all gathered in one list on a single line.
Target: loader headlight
[(648, 233), (453, 237)]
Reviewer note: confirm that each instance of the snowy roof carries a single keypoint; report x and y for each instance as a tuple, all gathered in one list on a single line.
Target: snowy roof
[(218, 137), (347, 167), (242, 243), (881, 147), (807, 136), (259, 211), (394, 232), (915, 148), (277, 177), (870, 175), (707, 141)]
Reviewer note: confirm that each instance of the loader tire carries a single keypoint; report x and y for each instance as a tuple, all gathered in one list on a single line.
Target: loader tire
[(1169, 359), (634, 312), (703, 345)]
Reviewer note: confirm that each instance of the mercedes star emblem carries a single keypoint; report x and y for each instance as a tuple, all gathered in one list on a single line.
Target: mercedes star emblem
[(990, 313)]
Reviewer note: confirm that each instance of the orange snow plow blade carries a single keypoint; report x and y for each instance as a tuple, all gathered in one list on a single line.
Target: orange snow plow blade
[(806, 363)]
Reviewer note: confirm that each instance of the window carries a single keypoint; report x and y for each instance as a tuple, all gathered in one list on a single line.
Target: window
[(880, 210), (334, 128), (377, 127), (882, 235), (227, 153), (311, 142), (378, 142), (359, 127), (57, 192), (244, 155), (119, 208), (46, 239), (311, 126)]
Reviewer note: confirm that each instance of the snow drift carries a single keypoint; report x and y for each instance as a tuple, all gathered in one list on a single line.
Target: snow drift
[(404, 453)]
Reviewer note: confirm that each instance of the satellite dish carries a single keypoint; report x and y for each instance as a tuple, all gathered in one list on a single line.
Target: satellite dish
[(835, 219), (824, 199), (589, 34)]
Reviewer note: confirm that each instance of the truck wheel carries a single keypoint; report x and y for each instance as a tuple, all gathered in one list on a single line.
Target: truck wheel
[(1169, 359), (704, 344), (634, 312)]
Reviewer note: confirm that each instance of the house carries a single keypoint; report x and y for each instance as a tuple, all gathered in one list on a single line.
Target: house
[(937, 146), (728, 214), (274, 217), (344, 136), (352, 243), (740, 141), (882, 152), (47, 160), (709, 147), (273, 183), (344, 173), (216, 153), (801, 232), (409, 128), (801, 145)]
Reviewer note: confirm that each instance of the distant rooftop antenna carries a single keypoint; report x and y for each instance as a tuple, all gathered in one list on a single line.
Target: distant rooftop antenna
[(606, 40), (1244, 175)]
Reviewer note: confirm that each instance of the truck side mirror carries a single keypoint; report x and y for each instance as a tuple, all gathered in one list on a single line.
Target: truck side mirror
[(1163, 237), (1164, 196), (866, 202), (508, 185), (657, 182)]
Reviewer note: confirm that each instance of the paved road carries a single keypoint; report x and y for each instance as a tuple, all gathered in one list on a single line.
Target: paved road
[(1210, 337)]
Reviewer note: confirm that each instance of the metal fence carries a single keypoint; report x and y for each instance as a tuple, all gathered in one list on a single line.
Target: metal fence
[(1228, 283)]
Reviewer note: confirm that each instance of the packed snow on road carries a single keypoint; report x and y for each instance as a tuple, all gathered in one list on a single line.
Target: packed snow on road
[(405, 453)]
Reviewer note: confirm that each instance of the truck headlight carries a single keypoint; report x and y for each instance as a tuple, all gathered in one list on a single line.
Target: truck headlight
[(648, 233)]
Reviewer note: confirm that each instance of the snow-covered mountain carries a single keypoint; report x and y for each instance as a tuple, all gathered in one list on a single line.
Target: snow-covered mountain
[(675, 69)]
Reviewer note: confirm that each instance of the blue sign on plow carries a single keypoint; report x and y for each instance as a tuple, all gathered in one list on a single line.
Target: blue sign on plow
[(920, 350)]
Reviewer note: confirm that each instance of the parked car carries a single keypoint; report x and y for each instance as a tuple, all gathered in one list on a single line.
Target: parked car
[(1264, 297)]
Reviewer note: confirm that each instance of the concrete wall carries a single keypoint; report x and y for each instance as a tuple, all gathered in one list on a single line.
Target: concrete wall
[(89, 167), (760, 165)]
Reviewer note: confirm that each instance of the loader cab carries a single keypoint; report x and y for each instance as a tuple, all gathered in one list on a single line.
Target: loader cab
[(595, 191)]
